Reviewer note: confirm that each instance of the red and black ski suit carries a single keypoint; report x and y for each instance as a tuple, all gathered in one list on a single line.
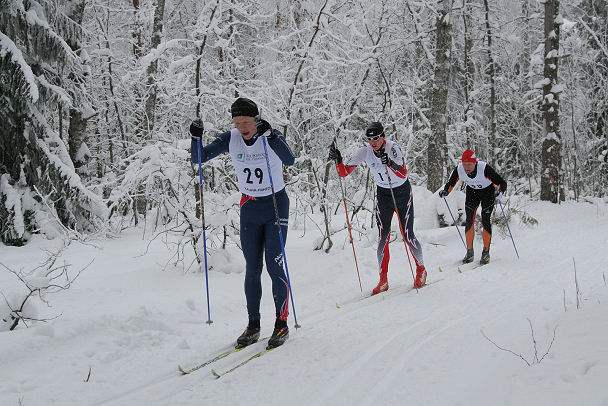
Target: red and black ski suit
[(480, 189)]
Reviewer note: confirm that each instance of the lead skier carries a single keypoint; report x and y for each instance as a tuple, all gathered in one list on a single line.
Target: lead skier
[(258, 228)]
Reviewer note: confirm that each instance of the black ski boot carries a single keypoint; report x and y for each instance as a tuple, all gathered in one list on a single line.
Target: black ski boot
[(469, 256), (485, 257), (250, 335), (279, 335)]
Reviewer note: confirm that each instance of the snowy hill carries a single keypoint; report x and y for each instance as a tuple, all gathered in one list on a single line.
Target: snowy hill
[(125, 324)]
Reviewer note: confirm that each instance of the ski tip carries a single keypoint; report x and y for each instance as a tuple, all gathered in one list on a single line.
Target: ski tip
[(337, 305), (215, 374), (182, 370), (440, 270), (459, 271)]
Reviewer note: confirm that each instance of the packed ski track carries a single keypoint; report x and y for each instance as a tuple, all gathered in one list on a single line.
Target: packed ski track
[(126, 324)]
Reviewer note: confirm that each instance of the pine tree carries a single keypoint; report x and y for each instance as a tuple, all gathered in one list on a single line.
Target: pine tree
[(38, 183)]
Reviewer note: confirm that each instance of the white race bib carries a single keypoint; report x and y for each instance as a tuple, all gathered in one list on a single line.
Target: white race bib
[(379, 170), (251, 168), (479, 181)]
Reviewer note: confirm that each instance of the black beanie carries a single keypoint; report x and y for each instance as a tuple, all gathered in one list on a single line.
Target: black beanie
[(244, 107), (374, 129)]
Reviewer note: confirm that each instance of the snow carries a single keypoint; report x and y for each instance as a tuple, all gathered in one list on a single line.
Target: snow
[(12, 203), (542, 83), (125, 324)]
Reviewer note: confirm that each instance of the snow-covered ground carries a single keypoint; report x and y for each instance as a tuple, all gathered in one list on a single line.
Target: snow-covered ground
[(126, 324)]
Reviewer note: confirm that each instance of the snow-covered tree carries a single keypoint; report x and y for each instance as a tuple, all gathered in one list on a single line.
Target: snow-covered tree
[(40, 73)]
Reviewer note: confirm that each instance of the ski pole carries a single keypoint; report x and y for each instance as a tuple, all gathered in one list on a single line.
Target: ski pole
[(390, 185), (350, 234), (508, 228), (200, 195), (454, 220), (276, 213)]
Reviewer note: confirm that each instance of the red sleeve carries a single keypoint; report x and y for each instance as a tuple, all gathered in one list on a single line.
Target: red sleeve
[(345, 170), (399, 170)]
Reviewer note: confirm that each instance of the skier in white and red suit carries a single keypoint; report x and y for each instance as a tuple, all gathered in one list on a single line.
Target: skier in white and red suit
[(384, 157)]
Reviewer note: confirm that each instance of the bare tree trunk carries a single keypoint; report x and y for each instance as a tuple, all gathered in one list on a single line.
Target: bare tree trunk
[(197, 72), (491, 78), (137, 41), (152, 90), (469, 67), (551, 150), (77, 132), (77, 129), (138, 51), (437, 148), (525, 86)]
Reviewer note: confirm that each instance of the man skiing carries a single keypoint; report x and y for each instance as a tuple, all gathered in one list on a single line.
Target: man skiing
[(387, 164), (258, 228), (481, 179)]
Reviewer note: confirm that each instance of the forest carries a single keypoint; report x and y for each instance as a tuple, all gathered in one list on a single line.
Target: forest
[(96, 97)]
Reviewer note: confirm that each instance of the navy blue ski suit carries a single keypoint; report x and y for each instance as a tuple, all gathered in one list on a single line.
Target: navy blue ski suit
[(258, 228)]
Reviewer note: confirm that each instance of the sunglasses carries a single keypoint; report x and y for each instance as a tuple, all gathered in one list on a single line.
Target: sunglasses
[(373, 138)]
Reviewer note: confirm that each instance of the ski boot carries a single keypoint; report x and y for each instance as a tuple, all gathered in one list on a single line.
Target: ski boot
[(420, 276), (250, 335), (382, 285), (279, 335), (469, 256), (485, 257)]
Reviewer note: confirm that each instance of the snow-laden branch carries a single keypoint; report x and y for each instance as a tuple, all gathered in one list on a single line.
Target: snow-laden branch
[(7, 46)]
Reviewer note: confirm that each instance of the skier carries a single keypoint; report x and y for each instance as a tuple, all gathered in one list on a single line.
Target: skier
[(387, 164), (481, 179), (258, 228)]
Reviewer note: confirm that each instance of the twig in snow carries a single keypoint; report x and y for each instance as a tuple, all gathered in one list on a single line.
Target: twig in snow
[(504, 349), (578, 303), (536, 359)]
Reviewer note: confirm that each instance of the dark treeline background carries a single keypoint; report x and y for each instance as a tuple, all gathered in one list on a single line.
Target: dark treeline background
[(97, 95)]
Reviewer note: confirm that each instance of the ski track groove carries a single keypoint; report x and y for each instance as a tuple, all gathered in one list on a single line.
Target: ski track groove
[(339, 387), (397, 366), (154, 382), (354, 368)]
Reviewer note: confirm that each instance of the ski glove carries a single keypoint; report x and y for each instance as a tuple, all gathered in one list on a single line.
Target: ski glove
[(443, 193), (334, 153), (385, 159), (498, 194), (263, 126), (196, 129)]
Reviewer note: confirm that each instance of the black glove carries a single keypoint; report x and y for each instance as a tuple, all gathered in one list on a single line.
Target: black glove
[(263, 126), (443, 193), (334, 153), (196, 129), (385, 159)]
